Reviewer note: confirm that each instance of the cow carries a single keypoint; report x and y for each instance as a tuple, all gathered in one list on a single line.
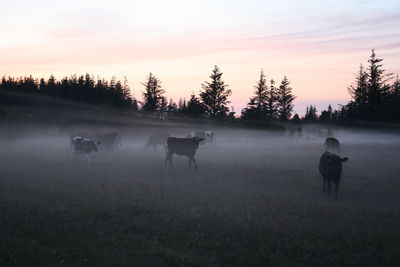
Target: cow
[(83, 145), (183, 147), (207, 136), (157, 139), (79, 135), (330, 167), (331, 144), (109, 141)]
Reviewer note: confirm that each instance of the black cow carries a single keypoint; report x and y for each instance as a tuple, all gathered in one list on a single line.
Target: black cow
[(157, 139), (110, 141), (330, 167), (183, 147), (332, 144), (85, 146)]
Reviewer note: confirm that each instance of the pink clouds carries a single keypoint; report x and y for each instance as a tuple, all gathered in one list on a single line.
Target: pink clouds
[(327, 52)]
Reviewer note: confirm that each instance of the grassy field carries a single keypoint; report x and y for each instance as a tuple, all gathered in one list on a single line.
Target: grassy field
[(256, 200)]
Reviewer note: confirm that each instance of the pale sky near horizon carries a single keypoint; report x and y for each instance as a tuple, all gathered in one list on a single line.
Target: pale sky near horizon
[(318, 45)]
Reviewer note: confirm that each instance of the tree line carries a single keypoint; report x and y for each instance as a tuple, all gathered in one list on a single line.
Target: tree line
[(375, 95), (268, 103)]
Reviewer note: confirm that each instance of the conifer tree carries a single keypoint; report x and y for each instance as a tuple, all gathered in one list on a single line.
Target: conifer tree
[(257, 107), (195, 108), (359, 92), (153, 94), (215, 95), (311, 113), (377, 87), (271, 107), (285, 100)]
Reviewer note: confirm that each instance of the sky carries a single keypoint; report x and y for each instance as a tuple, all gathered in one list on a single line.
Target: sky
[(318, 45)]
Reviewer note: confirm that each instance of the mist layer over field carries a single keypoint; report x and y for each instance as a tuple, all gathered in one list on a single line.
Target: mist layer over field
[(256, 200)]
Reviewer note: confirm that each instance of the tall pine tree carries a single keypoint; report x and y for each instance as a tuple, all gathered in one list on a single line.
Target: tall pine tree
[(215, 95), (153, 94), (257, 106), (271, 107), (377, 87), (285, 99)]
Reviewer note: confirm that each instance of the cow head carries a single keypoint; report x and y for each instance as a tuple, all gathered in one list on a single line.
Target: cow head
[(197, 140)]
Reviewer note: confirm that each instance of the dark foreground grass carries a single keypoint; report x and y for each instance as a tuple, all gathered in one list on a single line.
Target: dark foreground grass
[(256, 202)]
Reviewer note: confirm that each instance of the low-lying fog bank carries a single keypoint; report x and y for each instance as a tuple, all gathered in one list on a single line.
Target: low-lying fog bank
[(255, 200)]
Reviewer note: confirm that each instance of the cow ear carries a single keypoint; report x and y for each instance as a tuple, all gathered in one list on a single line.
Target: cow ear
[(345, 159)]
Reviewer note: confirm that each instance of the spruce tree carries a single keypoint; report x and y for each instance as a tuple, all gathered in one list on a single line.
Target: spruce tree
[(377, 87), (285, 100), (359, 92), (271, 105), (195, 108), (215, 95), (153, 94), (257, 106)]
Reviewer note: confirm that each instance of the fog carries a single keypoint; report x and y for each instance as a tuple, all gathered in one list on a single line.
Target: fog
[(256, 198)]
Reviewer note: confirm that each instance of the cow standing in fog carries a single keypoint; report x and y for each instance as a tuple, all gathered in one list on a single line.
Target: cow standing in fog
[(332, 144), (157, 139), (207, 136), (183, 147), (72, 137), (109, 141), (330, 167), (84, 146)]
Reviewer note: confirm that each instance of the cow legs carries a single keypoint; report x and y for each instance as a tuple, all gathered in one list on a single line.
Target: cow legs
[(336, 190), (191, 159), (168, 158), (324, 185), (88, 160), (329, 187)]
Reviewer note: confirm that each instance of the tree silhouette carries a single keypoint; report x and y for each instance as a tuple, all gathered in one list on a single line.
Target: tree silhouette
[(284, 100), (215, 95), (326, 115), (153, 94), (377, 88), (172, 108), (195, 109), (271, 107), (257, 107), (359, 93), (311, 114), (372, 95)]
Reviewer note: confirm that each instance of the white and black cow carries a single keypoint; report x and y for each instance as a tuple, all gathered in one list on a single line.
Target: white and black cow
[(330, 167), (183, 147), (207, 136), (84, 146)]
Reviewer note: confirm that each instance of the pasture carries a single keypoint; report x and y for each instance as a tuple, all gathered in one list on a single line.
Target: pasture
[(256, 200)]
